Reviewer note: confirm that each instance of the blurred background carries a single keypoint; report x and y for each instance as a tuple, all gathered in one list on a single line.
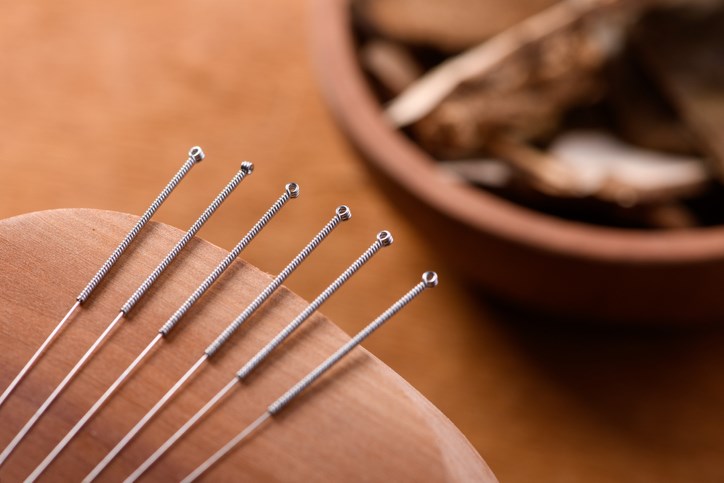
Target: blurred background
[(99, 104)]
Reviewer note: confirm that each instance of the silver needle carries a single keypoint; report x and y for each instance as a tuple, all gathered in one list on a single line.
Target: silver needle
[(429, 279), (246, 168), (203, 467), (196, 155), (383, 239), (342, 213), (291, 191)]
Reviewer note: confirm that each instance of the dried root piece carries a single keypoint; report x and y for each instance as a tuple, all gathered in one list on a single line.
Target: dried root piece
[(611, 205), (464, 123), (487, 109), (614, 171), (447, 25), (512, 46), (685, 54), (640, 113), (391, 64), (592, 164), (542, 171), (485, 172)]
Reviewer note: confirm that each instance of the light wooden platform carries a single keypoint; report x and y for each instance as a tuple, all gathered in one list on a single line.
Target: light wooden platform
[(100, 103), (362, 423)]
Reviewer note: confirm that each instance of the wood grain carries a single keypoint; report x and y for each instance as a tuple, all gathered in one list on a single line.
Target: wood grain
[(100, 102), (361, 423)]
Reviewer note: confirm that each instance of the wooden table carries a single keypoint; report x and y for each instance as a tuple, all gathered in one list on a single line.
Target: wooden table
[(99, 102)]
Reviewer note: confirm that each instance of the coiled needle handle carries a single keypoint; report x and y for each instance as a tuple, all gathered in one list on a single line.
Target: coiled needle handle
[(429, 280), (342, 213), (383, 239), (291, 191), (245, 169), (196, 155)]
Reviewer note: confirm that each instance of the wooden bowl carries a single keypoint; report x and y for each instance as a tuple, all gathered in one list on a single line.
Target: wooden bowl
[(537, 260)]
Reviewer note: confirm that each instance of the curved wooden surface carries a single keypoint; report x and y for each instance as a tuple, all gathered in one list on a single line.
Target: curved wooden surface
[(360, 422), (101, 101)]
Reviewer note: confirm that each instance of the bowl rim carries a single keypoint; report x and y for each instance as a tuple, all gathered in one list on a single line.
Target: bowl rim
[(356, 108)]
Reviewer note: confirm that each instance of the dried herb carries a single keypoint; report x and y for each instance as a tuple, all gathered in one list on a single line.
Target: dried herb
[(503, 113)]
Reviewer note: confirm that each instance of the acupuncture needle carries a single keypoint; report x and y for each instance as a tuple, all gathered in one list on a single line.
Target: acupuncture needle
[(383, 239), (291, 191), (245, 169), (342, 213), (429, 280), (196, 155)]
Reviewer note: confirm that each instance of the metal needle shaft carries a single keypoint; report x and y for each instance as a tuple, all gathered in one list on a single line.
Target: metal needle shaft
[(342, 213), (383, 239), (40, 351), (144, 420), (138, 472), (196, 155), (291, 191), (224, 450), (246, 168), (35, 417), (429, 279), (89, 414)]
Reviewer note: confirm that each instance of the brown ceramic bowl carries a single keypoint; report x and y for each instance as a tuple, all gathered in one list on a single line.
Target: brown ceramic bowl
[(519, 254)]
